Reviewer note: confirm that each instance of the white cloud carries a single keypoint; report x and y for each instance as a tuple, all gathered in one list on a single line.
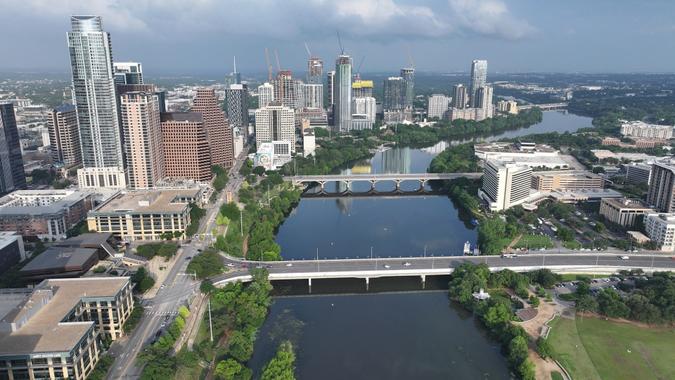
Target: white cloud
[(489, 18)]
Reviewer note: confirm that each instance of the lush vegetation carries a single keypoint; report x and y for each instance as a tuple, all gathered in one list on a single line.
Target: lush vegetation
[(150, 250), (157, 358), (496, 313), (592, 348), (445, 130), (206, 264), (142, 280), (196, 215), (281, 367), (496, 232), (533, 241), (455, 159), (650, 300), (331, 155), (220, 180), (102, 367)]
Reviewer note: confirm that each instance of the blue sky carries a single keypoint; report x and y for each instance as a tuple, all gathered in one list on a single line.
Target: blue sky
[(201, 36)]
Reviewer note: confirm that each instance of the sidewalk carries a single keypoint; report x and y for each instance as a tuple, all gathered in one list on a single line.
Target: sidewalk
[(189, 334)]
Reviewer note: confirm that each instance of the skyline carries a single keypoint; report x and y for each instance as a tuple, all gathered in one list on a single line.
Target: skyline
[(441, 36)]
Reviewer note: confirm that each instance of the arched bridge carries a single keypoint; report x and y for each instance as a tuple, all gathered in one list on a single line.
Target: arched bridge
[(348, 179)]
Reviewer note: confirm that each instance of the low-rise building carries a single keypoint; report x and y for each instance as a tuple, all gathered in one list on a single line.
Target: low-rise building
[(308, 142), (11, 250), (272, 155), (642, 129), (43, 213), (523, 153), (660, 228), (144, 215), (101, 177), (566, 180), (623, 211), (54, 330)]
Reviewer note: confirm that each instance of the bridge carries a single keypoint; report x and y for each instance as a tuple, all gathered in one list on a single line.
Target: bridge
[(397, 178), (422, 267), (544, 107)]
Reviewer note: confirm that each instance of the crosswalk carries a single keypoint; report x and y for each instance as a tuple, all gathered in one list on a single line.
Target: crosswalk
[(154, 312)]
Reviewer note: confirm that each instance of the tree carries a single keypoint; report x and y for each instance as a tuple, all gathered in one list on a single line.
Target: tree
[(230, 369), (526, 370), (586, 302), (259, 170), (611, 304), (534, 301), (544, 348), (565, 234), (240, 346), (517, 351), (496, 315), (281, 367), (222, 220)]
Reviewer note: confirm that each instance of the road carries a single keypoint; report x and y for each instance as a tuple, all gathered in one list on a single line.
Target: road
[(176, 290), (412, 266)]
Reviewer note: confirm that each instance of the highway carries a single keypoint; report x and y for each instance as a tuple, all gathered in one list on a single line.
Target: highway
[(417, 266), (176, 290)]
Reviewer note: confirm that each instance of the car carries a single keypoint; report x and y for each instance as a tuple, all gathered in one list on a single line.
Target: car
[(259, 266), (230, 265), (387, 266), (163, 286), (624, 257), (289, 264), (199, 249), (188, 258), (407, 264)]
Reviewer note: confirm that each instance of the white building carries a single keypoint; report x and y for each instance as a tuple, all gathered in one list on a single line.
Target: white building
[(311, 95), (308, 142), (98, 177), (237, 141), (272, 155), (365, 106), (661, 229), (642, 129), (438, 105), (275, 123), (507, 106), (505, 184), (265, 94)]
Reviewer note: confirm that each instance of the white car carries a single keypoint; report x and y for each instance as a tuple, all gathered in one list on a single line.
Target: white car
[(407, 264), (624, 257), (387, 266), (230, 265), (289, 264)]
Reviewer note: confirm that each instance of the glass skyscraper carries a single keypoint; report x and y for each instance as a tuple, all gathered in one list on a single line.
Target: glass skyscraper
[(478, 80), (12, 176), (93, 83), (408, 75), (343, 93)]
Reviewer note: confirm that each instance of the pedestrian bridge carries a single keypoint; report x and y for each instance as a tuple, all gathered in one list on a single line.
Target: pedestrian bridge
[(544, 107), (422, 267), (373, 179)]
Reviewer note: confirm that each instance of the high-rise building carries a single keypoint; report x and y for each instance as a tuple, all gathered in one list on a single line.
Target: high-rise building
[(661, 229), (365, 106), (218, 132), (64, 136), (394, 94), (142, 139), (342, 112), (285, 89), (478, 80), (505, 184), (275, 122), (330, 87), (311, 95), (459, 98), (438, 106), (362, 88), (408, 75), (186, 146), (128, 72), (661, 192), (236, 106), (484, 102), (314, 70), (12, 175), (265, 94), (94, 88)]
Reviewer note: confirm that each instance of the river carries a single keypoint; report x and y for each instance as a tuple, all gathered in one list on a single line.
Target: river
[(409, 334)]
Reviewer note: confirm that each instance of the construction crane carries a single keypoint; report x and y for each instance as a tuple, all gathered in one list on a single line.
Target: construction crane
[(410, 58), (358, 68), (276, 55), (309, 54), (342, 50), (269, 66)]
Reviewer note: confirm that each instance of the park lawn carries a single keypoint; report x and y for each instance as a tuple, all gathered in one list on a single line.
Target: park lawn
[(579, 276), (625, 351), (569, 350), (534, 242)]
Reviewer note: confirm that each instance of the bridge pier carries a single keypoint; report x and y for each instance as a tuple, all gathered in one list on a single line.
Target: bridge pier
[(372, 185), (423, 182), (309, 281), (367, 283), (424, 280), (398, 185), (323, 186)]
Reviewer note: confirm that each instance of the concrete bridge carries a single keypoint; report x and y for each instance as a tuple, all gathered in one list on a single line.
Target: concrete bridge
[(544, 107), (348, 179), (422, 267)]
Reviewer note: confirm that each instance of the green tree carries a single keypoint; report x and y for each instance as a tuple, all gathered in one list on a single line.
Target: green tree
[(240, 346), (282, 366), (230, 369), (517, 351), (544, 348)]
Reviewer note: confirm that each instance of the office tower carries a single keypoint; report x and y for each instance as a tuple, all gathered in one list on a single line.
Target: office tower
[(437, 106), (505, 184), (218, 132), (236, 106), (365, 106), (660, 194), (64, 136), (311, 95), (186, 148), (484, 102), (12, 176), (478, 80), (343, 93), (408, 75), (459, 98), (394, 93), (314, 70), (265, 94), (142, 138), (362, 88), (128, 72), (330, 88), (96, 102), (275, 122), (285, 89)]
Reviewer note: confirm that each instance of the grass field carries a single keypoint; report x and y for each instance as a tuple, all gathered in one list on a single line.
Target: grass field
[(575, 276), (534, 242), (592, 348)]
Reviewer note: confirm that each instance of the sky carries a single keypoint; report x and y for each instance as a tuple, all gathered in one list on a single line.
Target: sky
[(201, 36)]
